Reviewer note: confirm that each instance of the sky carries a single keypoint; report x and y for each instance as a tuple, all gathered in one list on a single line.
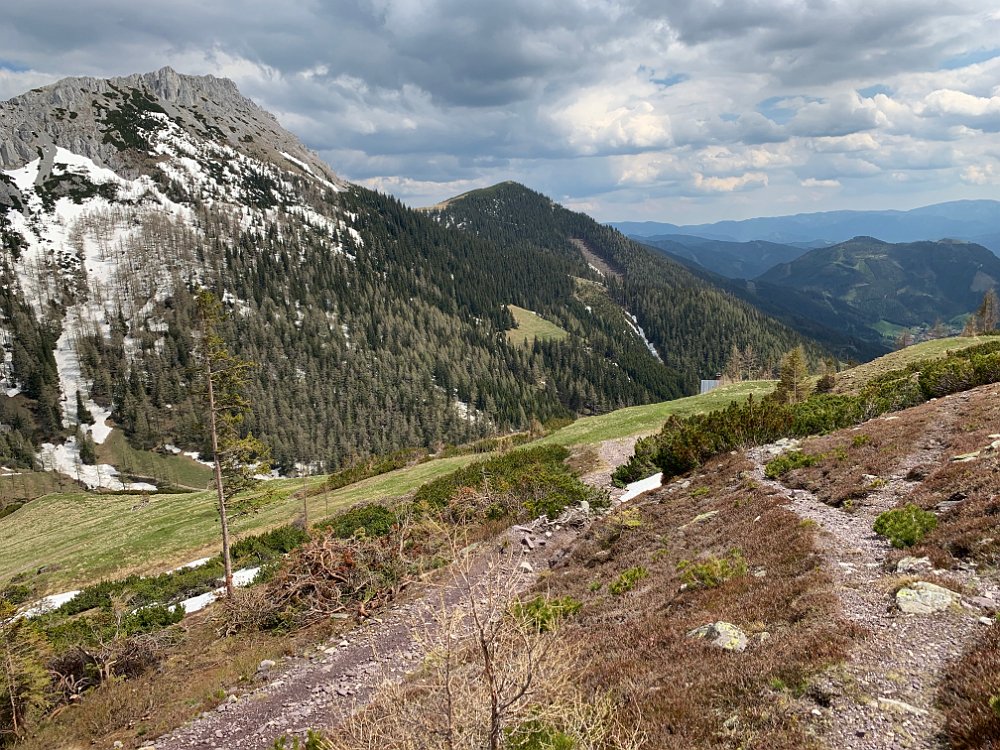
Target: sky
[(628, 110)]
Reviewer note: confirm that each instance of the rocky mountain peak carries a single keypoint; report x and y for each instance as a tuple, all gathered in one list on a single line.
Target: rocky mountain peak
[(114, 122)]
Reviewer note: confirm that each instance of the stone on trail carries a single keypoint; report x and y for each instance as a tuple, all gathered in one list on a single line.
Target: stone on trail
[(924, 598), (723, 635), (910, 564), (894, 706), (965, 457)]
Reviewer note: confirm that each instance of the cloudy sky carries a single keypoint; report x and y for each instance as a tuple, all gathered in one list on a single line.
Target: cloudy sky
[(627, 109)]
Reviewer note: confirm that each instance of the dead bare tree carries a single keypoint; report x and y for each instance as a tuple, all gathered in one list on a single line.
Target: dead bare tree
[(490, 675)]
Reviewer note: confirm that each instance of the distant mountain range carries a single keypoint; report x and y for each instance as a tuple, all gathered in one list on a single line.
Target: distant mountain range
[(908, 284), (976, 221), (734, 260), (855, 296), (378, 327)]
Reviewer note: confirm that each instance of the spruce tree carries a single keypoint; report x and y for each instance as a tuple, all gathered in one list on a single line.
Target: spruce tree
[(88, 451), (237, 459), (83, 415), (988, 314), (794, 385)]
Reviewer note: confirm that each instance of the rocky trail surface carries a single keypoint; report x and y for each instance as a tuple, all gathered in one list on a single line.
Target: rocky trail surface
[(883, 696), (319, 689), (338, 677)]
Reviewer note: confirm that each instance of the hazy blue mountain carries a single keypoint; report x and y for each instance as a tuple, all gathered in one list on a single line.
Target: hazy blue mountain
[(734, 260), (843, 330), (977, 221)]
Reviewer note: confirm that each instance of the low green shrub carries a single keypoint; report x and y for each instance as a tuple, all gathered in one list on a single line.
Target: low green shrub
[(370, 520), (786, 462), (906, 526), (537, 735), (713, 571), (947, 376), (627, 580), (168, 588), (684, 444), (525, 483), (267, 546), (313, 741), (543, 613), (15, 593)]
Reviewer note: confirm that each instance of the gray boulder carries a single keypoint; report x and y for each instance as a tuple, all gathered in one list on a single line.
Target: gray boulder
[(722, 635), (924, 598)]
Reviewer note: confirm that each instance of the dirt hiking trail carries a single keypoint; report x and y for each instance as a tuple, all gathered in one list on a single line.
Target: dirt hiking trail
[(883, 695)]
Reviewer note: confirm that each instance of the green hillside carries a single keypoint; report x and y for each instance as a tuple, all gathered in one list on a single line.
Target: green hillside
[(894, 286), (80, 537), (692, 323)]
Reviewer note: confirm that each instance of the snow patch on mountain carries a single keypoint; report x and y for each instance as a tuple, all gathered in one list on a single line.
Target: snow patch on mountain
[(637, 330), (98, 243), (65, 459)]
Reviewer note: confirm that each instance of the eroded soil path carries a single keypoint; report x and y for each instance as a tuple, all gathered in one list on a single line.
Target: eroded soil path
[(338, 677), (883, 696)]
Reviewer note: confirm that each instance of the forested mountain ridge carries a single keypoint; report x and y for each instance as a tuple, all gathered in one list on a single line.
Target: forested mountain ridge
[(734, 260), (691, 323), (905, 284), (374, 327)]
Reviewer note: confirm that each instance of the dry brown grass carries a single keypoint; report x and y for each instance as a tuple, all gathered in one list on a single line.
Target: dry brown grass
[(971, 721), (196, 675), (490, 676), (683, 693), (876, 449)]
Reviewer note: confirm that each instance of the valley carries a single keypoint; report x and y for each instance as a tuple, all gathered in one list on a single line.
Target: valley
[(455, 457)]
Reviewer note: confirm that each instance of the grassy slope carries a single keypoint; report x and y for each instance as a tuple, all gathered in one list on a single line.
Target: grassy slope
[(82, 537), (853, 379), (30, 484), (179, 471), (532, 326), (645, 420)]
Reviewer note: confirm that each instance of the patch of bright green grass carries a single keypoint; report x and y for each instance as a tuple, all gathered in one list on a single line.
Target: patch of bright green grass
[(531, 326), (178, 471), (647, 419)]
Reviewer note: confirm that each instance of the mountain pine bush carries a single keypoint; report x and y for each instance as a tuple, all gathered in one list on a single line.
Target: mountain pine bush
[(684, 444)]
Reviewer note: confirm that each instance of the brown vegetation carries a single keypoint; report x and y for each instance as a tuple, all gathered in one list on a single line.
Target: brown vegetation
[(196, 672), (971, 696), (683, 693), (497, 673)]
